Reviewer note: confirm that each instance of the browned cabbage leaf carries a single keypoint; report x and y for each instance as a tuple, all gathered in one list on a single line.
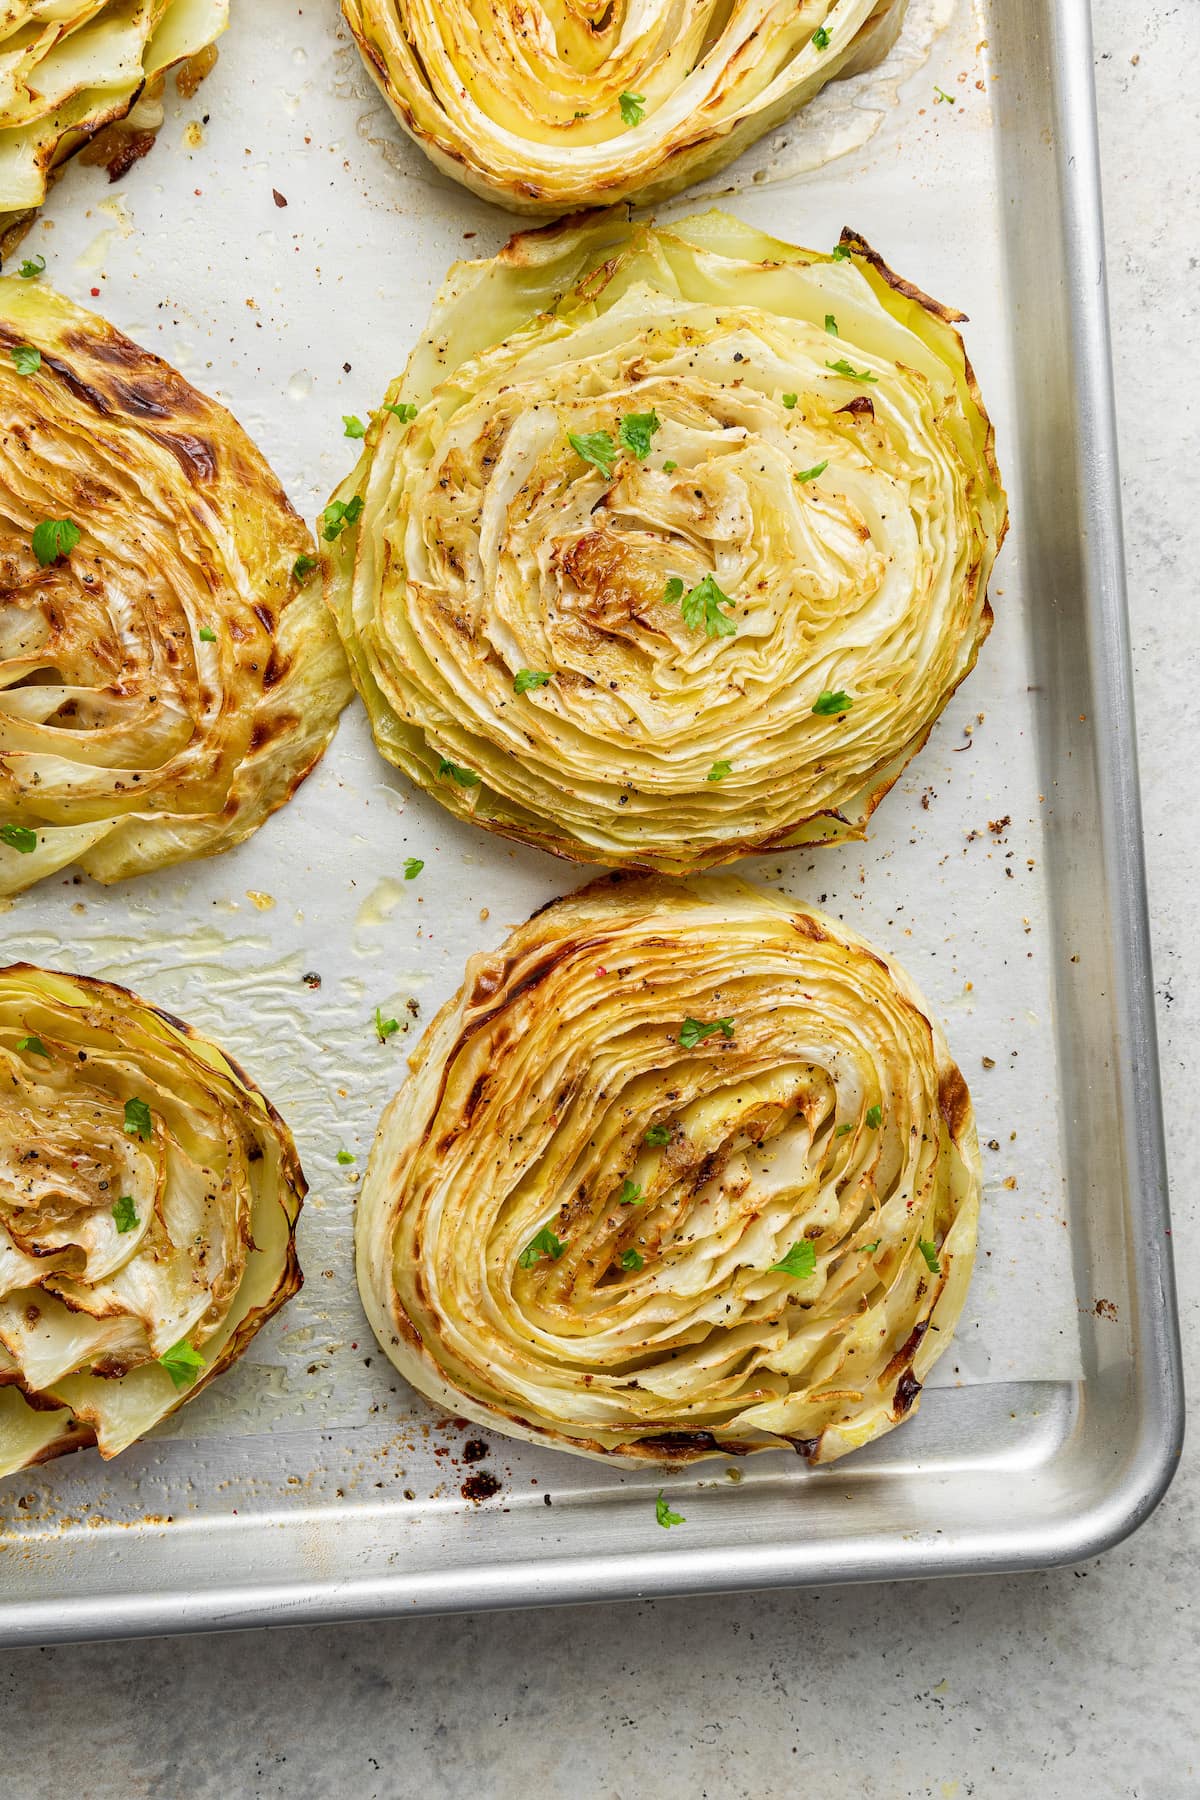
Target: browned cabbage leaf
[(546, 105), (148, 1204), (685, 548), (71, 68), (681, 1170), (167, 680)]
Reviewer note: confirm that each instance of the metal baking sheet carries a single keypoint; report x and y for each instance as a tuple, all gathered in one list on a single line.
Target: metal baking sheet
[(281, 246)]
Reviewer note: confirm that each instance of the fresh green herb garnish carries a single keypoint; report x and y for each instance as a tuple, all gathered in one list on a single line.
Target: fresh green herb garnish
[(345, 1158), (524, 679), (385, 1028), (664, 1515), (789, 400), (596, 448), (827, 704), (874, 1117), (940, 94), (354, 427), (669, 468), (207, 635), (34, 1045), (800, 1261), (636, 430), (303, 567), (633, 108), (404, 410), (831, 325), (544, 1244), (31, 268), (842, 367), (182, 1363), (657, 1134), (125, 1213), (26, 359), (929, 1252), (693, 1032), (719, 771), (840, 253), (632, 1259), (870, 1249), (464, 777), (822, 37), (702, 607), (337, 515), (631, 1194), (138, 1122), (53, 539), (412, 867), (811, 474), (843, 1129), (673, 592), (19, 837)]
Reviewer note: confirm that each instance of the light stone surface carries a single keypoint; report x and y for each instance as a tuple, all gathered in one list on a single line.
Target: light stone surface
[(1002, 1688)]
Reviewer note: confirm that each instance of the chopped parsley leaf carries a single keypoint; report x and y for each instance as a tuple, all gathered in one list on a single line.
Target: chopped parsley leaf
[(345, 1158), (702, 607), (719, 771), (831, 325), (182, 1363), (673, 592), (207, 635), (631, 1194), (633, 108), (34, 1045), (822, 37), (636, 430), (789, 400), (125, 1213), (596, 448), (874, 1117), (669, 468), (870, 1249), (664, 1515), (31, 268), (827, 704), (800, 1261), (632, 1259), (693, 1031), (53, 539), (26, 359), (842, 367), (929, 1252), (404, 410), (657, 1134), (940, 94), (544, 1244), (412, 867), (354, 426), (843, 1129), (385, 1028), (811, 474), (337, 515), (303, 567), (840, 253), (524, 679), (19, 837), (138, 1122), (464, 777)]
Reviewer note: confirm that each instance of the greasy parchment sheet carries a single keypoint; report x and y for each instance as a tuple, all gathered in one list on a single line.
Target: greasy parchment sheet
[(281, 246)]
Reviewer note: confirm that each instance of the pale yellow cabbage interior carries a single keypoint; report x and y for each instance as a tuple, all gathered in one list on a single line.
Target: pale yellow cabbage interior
[(86, 1309), (831, 1115), (521, 100), (167, 685), (851, 519)]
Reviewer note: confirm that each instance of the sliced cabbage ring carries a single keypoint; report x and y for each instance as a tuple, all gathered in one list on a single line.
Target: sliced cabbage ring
[(572, 103), (71, 68), (148, 1205), (168, 672), (682, 1170), (684, 550)]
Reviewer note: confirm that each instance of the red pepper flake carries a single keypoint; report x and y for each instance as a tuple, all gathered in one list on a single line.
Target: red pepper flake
[(95, 292), (602, 970), (278, 197)]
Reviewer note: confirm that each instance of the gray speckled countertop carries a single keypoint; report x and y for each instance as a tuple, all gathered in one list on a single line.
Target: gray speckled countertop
[(1036, 1685)]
